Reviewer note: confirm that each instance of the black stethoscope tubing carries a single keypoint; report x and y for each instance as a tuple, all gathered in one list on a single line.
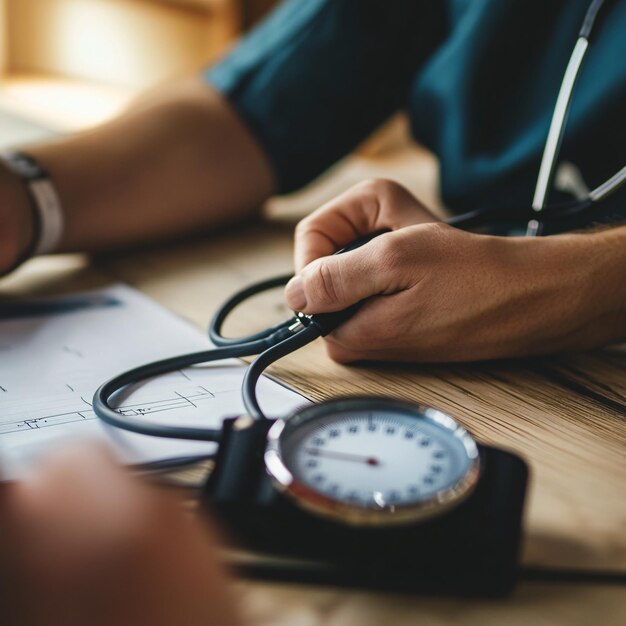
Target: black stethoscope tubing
[(215, 327), (270, 344), (271, 348)]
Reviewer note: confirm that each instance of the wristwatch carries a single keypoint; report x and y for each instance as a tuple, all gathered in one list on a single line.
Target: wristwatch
[(47, 210)]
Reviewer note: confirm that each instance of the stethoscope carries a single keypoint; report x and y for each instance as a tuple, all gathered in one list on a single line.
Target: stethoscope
[(270, 344), (278, 341)]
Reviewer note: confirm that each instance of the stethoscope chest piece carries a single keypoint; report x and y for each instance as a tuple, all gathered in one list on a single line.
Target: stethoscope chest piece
[(371, 492)]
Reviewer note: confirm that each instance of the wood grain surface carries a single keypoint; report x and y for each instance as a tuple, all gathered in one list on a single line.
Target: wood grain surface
[(566, 415)]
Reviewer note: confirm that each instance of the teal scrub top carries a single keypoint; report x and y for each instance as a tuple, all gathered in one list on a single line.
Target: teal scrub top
[(478, 79)]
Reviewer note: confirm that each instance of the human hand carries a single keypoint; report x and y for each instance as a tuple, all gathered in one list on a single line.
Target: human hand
[(15, 220), (84, 543), (436, 293)]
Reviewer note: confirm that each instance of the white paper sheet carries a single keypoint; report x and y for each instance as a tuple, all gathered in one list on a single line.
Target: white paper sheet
[(54, 354)]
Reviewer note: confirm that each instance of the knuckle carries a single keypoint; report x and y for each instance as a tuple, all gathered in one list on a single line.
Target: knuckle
[(437, 238), (438, 230), (392, 193), (381, 186), (388, 197), (440, 227), (391, 253)]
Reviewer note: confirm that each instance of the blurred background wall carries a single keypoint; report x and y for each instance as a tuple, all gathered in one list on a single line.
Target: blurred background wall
[(131, 43), (101, 52), (66, 65)]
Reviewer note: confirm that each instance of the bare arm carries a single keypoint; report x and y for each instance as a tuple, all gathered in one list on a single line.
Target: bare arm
[(179, 160)]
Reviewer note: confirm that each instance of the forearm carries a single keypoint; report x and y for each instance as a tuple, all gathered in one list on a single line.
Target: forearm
[(177, 162), (604, 253), (561, 293)]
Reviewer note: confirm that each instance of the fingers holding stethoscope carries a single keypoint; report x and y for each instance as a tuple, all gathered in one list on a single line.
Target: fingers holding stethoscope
[(383, 266), (400, 277), (431, 292), (366, 207)]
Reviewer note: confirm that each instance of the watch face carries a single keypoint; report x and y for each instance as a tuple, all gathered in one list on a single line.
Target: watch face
[(373, 461)]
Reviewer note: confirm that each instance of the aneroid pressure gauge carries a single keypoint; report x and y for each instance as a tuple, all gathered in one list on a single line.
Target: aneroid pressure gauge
[(371, 492), (372, 461)]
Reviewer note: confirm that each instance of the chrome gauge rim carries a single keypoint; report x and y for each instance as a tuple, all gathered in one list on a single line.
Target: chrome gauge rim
[(357, 514)]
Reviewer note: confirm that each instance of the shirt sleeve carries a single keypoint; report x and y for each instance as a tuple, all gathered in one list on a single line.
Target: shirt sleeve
[(317, 76)]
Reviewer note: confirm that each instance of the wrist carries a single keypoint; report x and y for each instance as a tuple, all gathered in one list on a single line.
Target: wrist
[(554, 298), (16, 220), (604, 254), (585, 275)]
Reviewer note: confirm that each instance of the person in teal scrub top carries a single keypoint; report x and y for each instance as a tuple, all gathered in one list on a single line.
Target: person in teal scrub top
[(478, 79)]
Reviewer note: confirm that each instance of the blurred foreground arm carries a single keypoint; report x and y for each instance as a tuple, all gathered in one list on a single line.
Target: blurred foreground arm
[(83, 543), (178, 161)]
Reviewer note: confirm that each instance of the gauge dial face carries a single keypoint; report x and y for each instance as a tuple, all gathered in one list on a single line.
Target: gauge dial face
[(370, 460)]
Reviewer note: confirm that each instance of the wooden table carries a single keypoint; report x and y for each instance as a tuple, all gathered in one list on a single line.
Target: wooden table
[(565, 415)]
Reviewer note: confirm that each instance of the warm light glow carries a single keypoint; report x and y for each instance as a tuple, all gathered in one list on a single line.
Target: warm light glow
[(63, 104), (134, 44), (88, 40)]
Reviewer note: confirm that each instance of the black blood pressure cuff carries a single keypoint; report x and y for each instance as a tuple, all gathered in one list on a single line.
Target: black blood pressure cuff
[(471, 550)]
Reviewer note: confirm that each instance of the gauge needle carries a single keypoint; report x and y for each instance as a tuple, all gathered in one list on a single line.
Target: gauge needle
[(344, 456)]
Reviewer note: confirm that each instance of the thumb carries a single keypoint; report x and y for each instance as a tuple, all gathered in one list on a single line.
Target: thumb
[(336, 282)]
